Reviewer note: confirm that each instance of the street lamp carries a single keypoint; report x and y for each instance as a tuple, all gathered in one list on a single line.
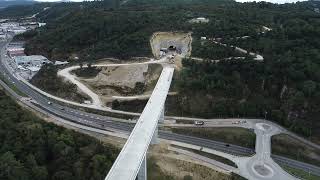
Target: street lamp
[(265, 115)]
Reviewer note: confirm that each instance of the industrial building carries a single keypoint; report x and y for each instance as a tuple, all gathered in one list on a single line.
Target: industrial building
[(28, 66), (12, 27), (15, 49), (19, 28), (31, 61), (12, 52)]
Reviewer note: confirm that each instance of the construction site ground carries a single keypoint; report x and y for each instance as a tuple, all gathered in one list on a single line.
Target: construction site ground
[(124, 81)]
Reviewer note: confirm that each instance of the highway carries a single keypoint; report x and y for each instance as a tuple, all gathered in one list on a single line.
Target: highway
[(109, 123), (104, 122)]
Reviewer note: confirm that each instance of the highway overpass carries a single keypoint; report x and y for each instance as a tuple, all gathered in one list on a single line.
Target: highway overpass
[(131, 162)]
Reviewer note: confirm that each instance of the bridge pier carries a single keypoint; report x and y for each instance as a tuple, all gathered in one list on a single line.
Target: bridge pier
[(142, 174), (155, 139), (161, 118)]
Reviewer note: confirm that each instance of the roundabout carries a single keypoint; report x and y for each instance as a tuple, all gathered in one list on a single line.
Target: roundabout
[(263, 170)]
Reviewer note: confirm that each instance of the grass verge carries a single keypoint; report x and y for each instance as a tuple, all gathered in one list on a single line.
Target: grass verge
[(287, 146), (300, 173), (237, 136), (211, 156), (155, 172), (165, 168)]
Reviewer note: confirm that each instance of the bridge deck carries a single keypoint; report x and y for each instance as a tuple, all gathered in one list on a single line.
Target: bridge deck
[(128, 162)]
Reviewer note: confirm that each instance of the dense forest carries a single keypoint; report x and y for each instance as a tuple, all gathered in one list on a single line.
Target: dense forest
[(33, 149), (284, 88), (247, 89)]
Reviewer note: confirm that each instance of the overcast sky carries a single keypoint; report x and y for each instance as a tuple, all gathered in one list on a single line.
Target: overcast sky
[(273, 1), (60, 0)]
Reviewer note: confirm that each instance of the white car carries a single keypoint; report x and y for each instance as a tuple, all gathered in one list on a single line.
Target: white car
[(199, 123)]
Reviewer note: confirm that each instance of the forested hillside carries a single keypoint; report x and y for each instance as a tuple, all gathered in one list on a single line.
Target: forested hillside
[(31, 149), (17, 9), (102, 29), (283, 88)]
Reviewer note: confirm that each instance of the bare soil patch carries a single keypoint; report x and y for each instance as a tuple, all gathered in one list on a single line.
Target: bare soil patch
[(180, 166), (128, 80)]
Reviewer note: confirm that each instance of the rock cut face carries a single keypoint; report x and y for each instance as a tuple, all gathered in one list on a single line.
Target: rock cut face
[(171, 41)]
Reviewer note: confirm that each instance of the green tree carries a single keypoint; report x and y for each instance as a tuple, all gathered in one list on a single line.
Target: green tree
[(11, 169), (39, 173), (62, 175), (309, 87)]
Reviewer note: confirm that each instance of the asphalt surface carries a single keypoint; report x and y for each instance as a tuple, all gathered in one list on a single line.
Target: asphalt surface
[(261, 165), (104, 122)]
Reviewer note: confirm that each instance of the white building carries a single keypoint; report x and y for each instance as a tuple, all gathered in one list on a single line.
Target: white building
[(19, 30), (199, 20), (60, 63), (265, 29), (33, 69), (41, 24)]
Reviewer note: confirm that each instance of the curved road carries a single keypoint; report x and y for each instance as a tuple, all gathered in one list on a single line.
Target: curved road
[(104, 122)]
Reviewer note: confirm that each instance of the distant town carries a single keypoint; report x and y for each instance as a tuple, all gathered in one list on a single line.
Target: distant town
[(27, 66)]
